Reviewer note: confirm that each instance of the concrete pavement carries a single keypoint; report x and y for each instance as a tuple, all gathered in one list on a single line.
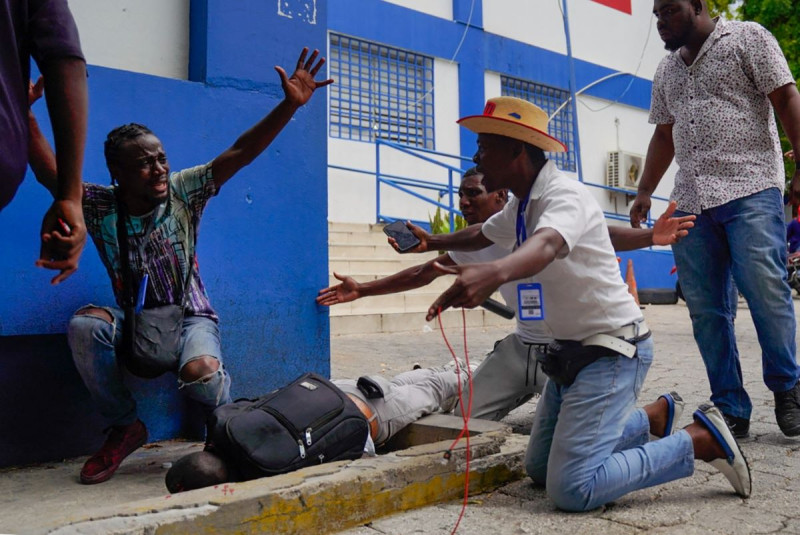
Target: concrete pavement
[(42, 498)]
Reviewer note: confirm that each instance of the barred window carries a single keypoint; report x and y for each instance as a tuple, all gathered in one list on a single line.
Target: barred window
[(549, 99), (380, 92)]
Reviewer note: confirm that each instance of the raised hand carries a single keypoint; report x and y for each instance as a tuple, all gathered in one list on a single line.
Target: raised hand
[(668, 230), (345, 292), (301, 85)]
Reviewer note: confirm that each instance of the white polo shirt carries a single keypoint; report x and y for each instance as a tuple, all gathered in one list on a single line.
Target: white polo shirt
[(531, 332), (582, 291)]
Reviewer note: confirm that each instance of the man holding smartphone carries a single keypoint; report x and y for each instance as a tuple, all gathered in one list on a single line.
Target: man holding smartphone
[(589, 443), (509, 375), (161, 215)]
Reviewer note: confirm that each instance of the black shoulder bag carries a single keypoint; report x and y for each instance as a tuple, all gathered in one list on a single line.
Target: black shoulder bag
[(308, 422), (151, 339)]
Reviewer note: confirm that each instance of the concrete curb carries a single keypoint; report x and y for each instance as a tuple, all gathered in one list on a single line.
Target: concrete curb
[(329, 497)]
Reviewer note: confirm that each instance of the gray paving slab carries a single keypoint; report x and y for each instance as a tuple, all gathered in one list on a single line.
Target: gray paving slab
[(38, 498)]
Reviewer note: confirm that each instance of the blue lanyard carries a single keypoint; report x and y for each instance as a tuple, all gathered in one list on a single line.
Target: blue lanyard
[(522, 232)]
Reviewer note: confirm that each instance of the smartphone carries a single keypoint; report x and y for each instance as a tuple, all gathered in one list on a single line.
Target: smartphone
[(405, 238)]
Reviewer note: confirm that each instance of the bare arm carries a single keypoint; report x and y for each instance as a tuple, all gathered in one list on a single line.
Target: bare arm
[(67, 104), (666, 231), (297, 90), (41, 157), (786, 101), (475, 282), (629, 239), (468, 239), (659, 155), (407, 279)]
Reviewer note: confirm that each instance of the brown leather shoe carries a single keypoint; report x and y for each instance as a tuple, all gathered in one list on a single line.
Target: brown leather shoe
[(121, 442)]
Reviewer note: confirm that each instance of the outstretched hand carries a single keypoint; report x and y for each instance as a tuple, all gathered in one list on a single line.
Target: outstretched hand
[(668, 230), (473, 285), (301, 85), (341, 293)]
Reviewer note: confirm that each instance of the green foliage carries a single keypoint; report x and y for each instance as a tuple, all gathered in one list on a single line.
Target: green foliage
[(782, 18), (727, 8), (440, 222)]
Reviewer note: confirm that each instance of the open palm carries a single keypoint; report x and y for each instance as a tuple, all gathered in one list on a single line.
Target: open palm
[(301, 85)]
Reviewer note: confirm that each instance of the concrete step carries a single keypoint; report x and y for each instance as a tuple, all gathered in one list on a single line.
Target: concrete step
[(376, 251), (358, 238), (360, 250), (350, 227), (369, 266)]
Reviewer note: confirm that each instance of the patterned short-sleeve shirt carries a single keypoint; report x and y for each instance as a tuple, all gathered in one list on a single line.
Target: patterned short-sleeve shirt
[(160, 243), (724, 131)]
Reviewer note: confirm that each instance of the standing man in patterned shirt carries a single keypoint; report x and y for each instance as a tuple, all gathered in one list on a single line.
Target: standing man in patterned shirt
[(713, 101), (162, 211)]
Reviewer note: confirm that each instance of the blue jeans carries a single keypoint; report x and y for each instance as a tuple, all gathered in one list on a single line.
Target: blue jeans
[(747, 238), (93, 341), (589, 444)]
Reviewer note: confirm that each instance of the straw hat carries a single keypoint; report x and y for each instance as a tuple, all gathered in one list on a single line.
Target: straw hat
[(515, 118)]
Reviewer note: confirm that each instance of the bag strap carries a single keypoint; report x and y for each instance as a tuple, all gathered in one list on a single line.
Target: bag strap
[(124, 251), (128, 293)]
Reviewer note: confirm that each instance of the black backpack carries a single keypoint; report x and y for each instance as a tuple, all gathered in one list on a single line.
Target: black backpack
[(307, 422)]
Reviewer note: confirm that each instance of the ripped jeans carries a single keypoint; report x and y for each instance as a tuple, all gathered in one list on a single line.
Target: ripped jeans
[(93, 341)]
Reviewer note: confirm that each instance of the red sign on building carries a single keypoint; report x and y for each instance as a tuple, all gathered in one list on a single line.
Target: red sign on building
[(621, 5)]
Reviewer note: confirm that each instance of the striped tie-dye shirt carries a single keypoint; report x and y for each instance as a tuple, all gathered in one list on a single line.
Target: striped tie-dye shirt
[(160, 243)]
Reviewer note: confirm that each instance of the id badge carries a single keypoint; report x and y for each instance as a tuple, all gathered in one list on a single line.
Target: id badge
[(530, 302)]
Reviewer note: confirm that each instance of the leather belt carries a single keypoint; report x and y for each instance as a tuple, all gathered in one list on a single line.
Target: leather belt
[(366, 410), (622, 340)]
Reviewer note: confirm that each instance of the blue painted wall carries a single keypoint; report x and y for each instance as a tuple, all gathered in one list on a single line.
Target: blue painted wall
[(262, 247)]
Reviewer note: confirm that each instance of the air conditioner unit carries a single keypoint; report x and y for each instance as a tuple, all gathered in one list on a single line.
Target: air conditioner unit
[(623, 170)]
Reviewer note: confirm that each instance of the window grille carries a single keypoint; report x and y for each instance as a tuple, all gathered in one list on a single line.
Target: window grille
[(549, 99), (380, 92)]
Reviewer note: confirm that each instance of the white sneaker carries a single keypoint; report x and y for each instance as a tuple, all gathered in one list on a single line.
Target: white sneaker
[(734, 466)]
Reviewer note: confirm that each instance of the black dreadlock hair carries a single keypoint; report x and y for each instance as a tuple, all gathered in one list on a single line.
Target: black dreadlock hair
[(117, 137)]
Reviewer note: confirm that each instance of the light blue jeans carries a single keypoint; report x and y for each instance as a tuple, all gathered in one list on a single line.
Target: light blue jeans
[(589, 444), (94, 340), (747, 238)]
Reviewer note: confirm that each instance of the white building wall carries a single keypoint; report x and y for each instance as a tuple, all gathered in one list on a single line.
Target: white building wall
[(605, 128), (351, 195), (536, 22), (600, 35), (437, 8), (147, 36)]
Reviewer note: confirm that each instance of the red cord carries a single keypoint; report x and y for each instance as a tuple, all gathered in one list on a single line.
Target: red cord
[(465, 414)]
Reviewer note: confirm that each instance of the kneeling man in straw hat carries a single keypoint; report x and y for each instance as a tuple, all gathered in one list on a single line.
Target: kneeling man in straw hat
[(589, 443)]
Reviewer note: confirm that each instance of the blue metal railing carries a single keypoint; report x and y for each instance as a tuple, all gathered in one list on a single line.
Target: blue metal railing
[(399, 183), (408, 185)]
